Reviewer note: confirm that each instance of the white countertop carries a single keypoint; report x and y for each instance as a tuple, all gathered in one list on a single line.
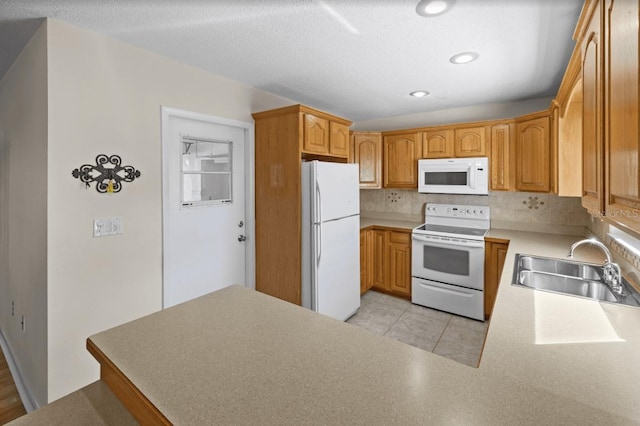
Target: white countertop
[(366, 222), (240, 357), (563, 345)]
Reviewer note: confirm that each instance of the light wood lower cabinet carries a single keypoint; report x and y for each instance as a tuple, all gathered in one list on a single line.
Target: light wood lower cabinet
[(399, 253), (378, 265), (385, 261), (366, 260), (495, 254)]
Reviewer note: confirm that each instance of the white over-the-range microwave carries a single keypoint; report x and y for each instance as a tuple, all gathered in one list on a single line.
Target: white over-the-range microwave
[(454, 176)]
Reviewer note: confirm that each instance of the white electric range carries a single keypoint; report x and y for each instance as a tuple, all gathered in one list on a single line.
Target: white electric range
[(447, 264)]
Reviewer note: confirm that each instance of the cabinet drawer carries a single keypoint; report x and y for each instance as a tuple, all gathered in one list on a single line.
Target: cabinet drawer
[(449, 298), (398, 237)]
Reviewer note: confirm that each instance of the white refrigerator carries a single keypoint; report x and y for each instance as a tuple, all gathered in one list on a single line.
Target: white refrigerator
[(331, 238)]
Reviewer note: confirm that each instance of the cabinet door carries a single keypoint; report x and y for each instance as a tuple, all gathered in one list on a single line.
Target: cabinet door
[(621, 106), (495, 254), (554, 116), (338, 139), (470, 142), (316, 135), (532, 154), (367, 151), (401, 154), (437, 144), (592, 146), (366, 260), (501, 156), (569, 145), (400, 263), (379, 267)]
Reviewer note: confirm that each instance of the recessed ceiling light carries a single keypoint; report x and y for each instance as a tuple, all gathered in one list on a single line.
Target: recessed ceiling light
[(419, 94), (433, 7), (464, 58)]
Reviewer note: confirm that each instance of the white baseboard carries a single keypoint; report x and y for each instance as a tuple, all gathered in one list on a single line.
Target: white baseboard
[(27, 400)]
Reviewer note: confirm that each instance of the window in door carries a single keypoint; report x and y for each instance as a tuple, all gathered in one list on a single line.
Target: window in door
[(206, 172)]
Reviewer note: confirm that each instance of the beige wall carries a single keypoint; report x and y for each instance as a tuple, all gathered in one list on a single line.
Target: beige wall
[(23, 213), (105, 98), (509, 210)]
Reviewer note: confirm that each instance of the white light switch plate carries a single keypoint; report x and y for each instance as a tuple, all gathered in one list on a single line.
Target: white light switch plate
[(104, 227)]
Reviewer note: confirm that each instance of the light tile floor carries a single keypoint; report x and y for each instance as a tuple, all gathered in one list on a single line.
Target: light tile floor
[(451, 336)]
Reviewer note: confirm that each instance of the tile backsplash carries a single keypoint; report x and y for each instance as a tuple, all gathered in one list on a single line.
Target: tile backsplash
[(509, 210)]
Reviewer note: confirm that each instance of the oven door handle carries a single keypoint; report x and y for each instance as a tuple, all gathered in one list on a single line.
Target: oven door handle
[(461, 292), (467, 243)]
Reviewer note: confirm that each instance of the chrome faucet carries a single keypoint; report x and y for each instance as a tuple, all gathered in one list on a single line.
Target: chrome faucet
[(611, 271)]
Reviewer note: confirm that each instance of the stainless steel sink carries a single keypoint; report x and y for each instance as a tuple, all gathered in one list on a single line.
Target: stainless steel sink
[(569, 277)]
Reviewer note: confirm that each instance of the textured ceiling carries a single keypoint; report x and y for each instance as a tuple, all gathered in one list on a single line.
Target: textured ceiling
[(355, 58)]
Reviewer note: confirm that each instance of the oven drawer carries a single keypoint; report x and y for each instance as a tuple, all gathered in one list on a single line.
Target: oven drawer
[(449, 298)]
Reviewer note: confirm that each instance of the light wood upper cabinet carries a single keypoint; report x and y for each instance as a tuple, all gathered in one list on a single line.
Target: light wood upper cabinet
[(367, 152), (621, 105), (437, 144), (592, 115), (532, 154), (454, 142), (325, 135), (401, 153), (569, 146), (501, 157), (338, 139), (316, 135), (470, 142)]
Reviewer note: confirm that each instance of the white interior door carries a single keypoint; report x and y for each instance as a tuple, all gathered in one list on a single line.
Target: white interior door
[(204, 218)]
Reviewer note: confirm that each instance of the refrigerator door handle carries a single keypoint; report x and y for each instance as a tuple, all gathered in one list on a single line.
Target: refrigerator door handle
[(318, 206), (318, 243), (318, 218), (314, 267)]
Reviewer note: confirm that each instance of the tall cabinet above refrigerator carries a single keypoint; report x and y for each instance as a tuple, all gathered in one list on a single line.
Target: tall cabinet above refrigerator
[(284, 137)]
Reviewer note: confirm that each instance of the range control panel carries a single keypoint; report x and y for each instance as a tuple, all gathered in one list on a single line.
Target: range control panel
[(458, 211)]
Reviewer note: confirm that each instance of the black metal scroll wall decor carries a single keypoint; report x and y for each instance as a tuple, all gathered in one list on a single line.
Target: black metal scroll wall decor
[(108, 173)]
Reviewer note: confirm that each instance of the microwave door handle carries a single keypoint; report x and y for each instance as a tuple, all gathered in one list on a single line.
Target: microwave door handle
[(472, 177)]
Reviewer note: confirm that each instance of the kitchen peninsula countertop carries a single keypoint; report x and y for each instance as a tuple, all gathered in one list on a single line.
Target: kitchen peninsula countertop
[(93, 405), (237, 356)]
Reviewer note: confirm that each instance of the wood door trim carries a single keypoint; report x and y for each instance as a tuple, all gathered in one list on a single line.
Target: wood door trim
[(131, 397)]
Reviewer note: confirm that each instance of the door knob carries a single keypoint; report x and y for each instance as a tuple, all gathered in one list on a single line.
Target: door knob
[(242, 238)]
